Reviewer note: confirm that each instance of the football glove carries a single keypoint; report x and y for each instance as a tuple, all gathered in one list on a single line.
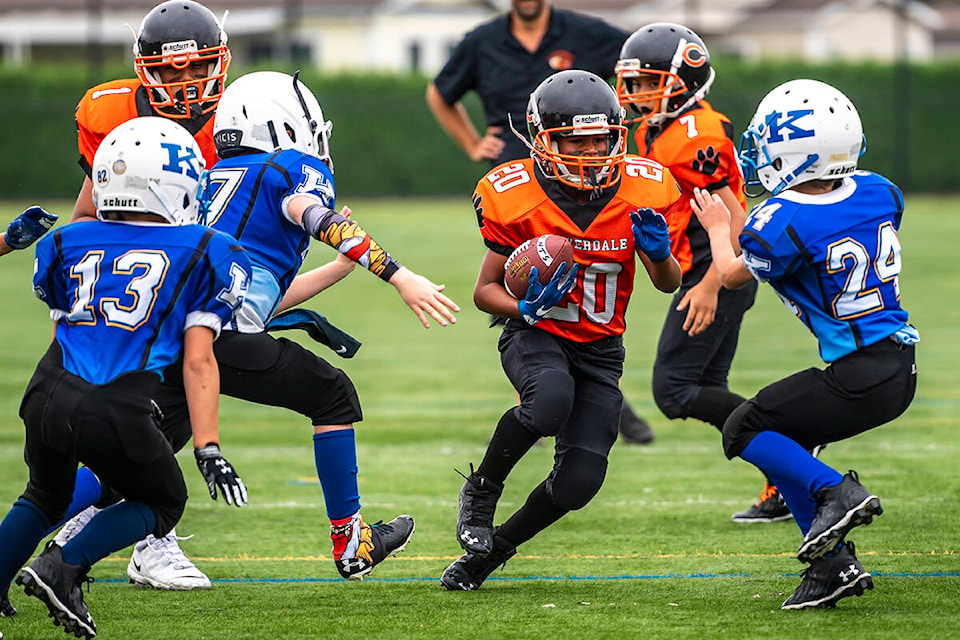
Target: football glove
[(219, 474), (650, 234), (27, 227), (541, 298)]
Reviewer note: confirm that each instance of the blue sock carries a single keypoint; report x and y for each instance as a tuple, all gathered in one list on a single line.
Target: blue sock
[(112, 529), (797, 474), (86, 492), (20, 532), (335, 453)]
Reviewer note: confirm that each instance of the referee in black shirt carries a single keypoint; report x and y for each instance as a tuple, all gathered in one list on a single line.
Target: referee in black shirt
[(503, 60)]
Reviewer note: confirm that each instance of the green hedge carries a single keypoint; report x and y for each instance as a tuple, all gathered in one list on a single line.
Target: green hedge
[(386, 143)]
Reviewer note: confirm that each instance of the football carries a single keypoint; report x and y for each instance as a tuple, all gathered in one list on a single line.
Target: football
[(546, 253)]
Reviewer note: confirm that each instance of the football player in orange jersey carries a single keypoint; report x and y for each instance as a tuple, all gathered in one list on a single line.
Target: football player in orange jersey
[(181, 60), (663, 74), (561, 346)]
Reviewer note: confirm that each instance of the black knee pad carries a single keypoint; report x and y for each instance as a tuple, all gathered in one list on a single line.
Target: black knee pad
[(667, 397), (576, 479), (552, 403), (737, 432)]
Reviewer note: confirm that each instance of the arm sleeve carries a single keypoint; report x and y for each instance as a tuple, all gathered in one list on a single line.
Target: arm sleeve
[(347, 237)]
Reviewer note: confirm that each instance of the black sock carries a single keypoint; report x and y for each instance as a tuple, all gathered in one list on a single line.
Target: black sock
[(510, 442), (714, 405), (537, 513)]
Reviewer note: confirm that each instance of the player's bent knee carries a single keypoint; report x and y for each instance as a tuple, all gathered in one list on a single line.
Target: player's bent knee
[(737, 432), (577, 480), (553, 402), (667, 394)]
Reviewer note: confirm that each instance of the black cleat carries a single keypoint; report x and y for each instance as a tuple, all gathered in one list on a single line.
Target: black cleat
[(829, 579), (57, 584), (6, 609), (770, 508), (469, 571), (633, 428), (839, 509), (358, 547), (478, 502)]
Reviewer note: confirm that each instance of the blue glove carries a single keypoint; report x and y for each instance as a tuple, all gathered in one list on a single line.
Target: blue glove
[(540, 298), (28, 227), (650, 234)]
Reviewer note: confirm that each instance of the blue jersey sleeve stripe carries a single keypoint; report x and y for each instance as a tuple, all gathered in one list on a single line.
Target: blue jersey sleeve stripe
[(198, 253), (245, 218), (756, 237), (894, 192)]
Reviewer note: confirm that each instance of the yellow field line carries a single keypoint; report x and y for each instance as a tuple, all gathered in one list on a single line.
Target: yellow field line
[(634, 556)]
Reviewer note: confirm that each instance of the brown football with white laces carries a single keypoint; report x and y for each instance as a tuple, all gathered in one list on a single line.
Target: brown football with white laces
[(546, 253)]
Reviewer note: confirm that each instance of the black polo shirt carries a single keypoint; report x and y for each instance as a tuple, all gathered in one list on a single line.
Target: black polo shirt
[(490, 61)]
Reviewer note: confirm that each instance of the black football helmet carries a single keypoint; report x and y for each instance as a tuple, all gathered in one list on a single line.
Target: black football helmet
[(674, 53), (576, 103), (178, 34)]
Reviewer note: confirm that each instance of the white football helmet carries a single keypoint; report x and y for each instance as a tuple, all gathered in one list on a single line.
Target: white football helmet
[(268, 110), (148, 165), (803, 130)]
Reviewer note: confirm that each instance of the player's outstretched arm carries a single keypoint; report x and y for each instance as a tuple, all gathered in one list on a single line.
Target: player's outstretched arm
[(424, 297), (26, 228), (201, 383), (715, 218), (346, 236)]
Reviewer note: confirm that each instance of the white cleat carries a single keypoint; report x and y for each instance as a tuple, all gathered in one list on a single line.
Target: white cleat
[(161, 564), (73, 526)]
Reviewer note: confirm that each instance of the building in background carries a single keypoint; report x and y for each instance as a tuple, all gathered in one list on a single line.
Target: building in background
[(403, 36)]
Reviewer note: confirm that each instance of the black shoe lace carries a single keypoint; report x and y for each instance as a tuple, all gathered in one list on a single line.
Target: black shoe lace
[(481, 507)]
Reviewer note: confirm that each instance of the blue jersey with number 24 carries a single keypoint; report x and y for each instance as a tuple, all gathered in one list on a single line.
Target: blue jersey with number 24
[(834, 259), (122, 294)]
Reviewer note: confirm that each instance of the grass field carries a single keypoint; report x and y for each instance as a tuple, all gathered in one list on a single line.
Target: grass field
[(655, 555)]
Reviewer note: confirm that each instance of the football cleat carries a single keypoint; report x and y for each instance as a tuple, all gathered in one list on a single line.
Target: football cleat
[(839, 509), (770, 508), (633, 428), (7, 609), (468, 572), (358, 547), (161, 564), (829, 579), (73, 526), (478, 502), (57, 585)]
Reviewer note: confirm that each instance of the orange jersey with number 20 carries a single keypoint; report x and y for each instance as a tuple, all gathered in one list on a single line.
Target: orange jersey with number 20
[(513, 207)]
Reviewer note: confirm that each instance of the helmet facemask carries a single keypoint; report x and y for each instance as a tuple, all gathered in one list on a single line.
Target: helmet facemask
[(173, 38), (583, 172)]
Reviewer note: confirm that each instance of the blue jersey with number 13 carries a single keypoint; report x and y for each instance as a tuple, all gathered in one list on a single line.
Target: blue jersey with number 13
[(834, 259), (122, 294)]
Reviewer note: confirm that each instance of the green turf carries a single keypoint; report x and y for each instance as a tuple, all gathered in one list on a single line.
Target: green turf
[(654, 555)]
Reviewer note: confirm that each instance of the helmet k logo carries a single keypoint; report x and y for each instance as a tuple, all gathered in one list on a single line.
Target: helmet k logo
[(788, 125), (177, 156)]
